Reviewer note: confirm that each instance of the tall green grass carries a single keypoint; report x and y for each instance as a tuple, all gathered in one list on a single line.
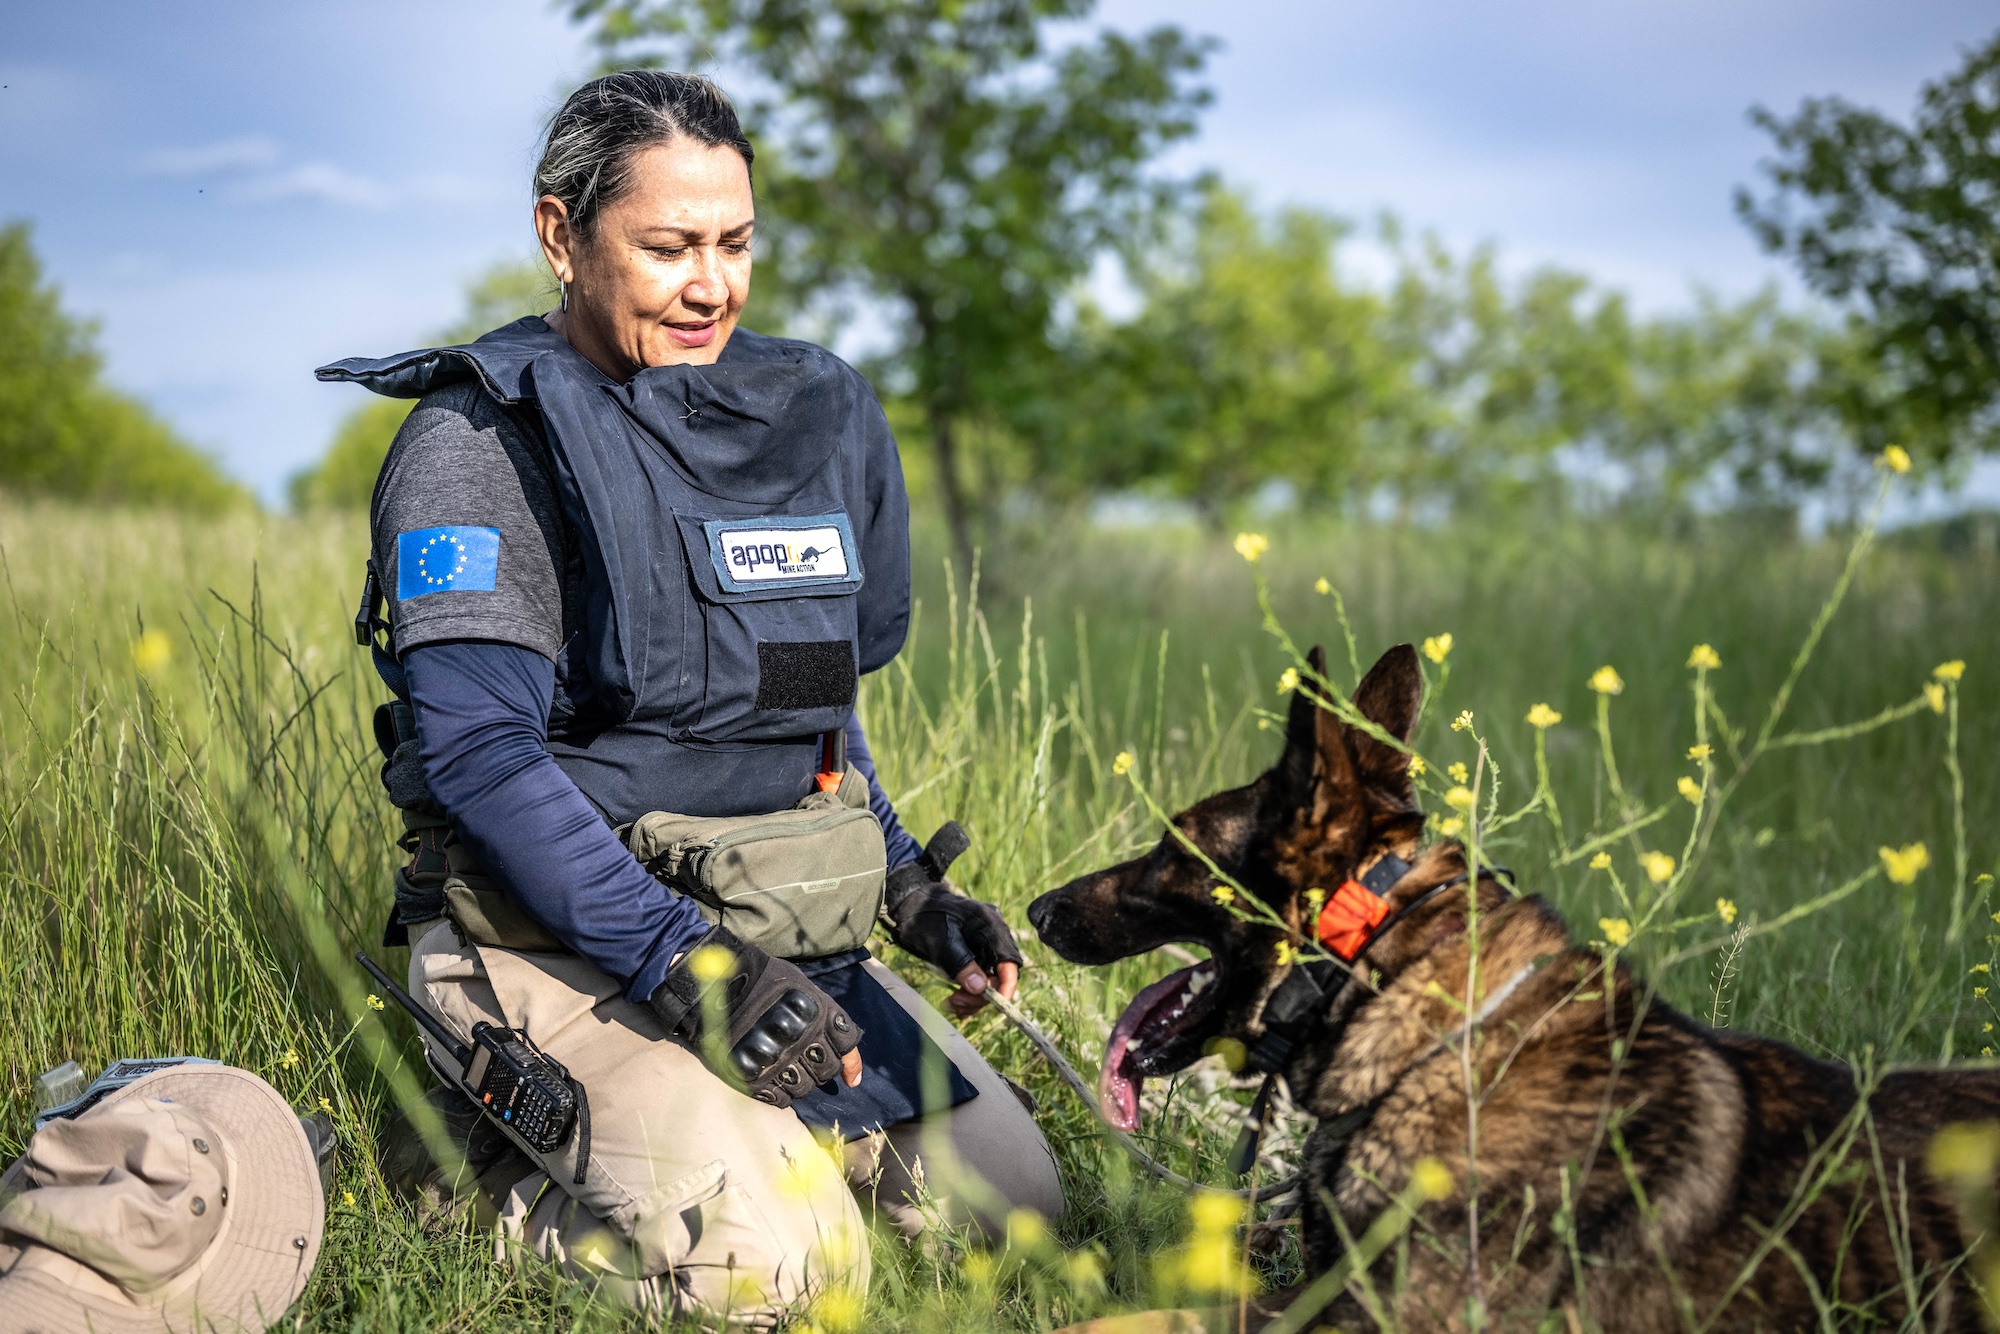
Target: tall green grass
[(193, 835)]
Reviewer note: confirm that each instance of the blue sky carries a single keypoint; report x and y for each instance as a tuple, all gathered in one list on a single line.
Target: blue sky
[(239, 191)]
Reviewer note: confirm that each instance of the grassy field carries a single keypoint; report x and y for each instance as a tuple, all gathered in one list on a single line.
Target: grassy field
[(194, 837)]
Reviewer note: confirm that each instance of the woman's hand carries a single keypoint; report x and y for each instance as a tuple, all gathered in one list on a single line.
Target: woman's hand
[(970, 998)]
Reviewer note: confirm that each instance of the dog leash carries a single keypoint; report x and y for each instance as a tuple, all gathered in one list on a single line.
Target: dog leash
[(1053, 1055)]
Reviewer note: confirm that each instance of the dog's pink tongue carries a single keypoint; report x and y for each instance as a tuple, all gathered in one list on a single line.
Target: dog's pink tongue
[(1117, 1083)]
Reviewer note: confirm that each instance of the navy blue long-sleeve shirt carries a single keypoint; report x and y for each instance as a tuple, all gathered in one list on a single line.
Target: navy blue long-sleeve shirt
[(482, 711)]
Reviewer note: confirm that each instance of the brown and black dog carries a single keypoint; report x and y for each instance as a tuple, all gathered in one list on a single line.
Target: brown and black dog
[(1635, 1169)]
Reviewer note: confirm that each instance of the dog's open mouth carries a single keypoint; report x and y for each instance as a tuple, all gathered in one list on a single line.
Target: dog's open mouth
[(1144, 1040)]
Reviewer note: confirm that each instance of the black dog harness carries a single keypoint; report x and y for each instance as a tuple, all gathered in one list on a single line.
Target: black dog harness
[(1352, 920)]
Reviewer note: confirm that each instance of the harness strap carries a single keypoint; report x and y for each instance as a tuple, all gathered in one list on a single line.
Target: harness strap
[(369, 631)]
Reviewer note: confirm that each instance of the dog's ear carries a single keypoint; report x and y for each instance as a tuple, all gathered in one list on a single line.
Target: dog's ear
[(1317, 765), (1390, 696)]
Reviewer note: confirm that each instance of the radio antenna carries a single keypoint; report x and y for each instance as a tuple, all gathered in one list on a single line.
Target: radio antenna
[(437, 1031)]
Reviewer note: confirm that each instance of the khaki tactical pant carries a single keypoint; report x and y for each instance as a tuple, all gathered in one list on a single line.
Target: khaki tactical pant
[(697, 1199)]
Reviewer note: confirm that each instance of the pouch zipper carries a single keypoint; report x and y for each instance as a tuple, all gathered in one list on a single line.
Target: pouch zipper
[(690, 857)]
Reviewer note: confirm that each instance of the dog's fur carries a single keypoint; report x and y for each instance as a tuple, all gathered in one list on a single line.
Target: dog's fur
[(1673, 1153)]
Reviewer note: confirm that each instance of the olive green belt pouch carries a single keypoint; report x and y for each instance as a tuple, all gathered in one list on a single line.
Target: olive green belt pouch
[(798, 884)]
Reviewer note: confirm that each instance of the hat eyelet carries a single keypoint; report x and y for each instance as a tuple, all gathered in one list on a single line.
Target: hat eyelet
[(200, 1206), (201, 1146)]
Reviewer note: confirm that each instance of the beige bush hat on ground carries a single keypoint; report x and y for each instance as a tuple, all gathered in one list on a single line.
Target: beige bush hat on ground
[(188, 1200)]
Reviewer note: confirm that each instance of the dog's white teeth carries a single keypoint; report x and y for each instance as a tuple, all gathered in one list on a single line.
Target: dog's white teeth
[(1199, 981), (1131, 1044)]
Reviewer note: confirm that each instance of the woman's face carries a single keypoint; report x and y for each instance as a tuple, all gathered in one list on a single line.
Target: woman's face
[(663, 277)]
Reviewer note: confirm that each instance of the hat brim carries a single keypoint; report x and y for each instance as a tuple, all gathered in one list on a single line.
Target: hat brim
[(258, 1265)]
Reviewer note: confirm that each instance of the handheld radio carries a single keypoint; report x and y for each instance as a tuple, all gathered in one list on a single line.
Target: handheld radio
[(508, 1077)]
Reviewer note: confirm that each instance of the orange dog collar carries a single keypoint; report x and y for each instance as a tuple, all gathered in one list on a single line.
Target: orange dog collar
[(1349, 917)]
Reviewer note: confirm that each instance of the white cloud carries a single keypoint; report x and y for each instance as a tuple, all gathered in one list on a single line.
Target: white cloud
[(243, 153), (321, 182)]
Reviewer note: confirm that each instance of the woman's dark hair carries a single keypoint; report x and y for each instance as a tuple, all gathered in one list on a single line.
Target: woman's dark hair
[(587, 156)]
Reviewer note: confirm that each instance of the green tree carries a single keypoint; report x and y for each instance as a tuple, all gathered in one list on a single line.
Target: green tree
[(1902, 222), (1253, 359), (344, 477), (1250, 360), (944, 156), (63, 431)]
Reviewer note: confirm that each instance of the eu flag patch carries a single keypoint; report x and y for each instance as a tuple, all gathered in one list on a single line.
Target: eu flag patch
[(446, 560)]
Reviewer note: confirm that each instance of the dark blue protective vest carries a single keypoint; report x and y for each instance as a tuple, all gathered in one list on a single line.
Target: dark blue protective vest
[(742, 533)]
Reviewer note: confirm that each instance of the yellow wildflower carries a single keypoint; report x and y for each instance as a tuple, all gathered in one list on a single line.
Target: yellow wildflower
[(1986, 1051), (1438, 647), (1252, 546), (1726, 910), (1617, 931), (1210, 1264), (1288, 953), (1704, 656), (290, 1059), (326, 1106), (1451, 826), (1977, 992), (1980, 968), (1122, 763), (1701, 752), (1321, 586), (1459, 773), (1659, 866), (1606, 681), (711, 963), (1223, 895), (152, 652), (1431, 1178), (1025, 1229), (1417, 766), (1902, 864), (1543, 717), (1934, 696), (1601, 862), (1968, 1152), (1214, 1213), (1462, 723), (1895, 458), (1690, 789), (347, 1198), (1459, 798), (374, 1001), (1949, 671), (1315, 900), (1288, 681), (839, 1310), (1083, 1270)]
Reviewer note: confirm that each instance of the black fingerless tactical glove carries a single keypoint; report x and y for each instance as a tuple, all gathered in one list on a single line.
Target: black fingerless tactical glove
[(937, 925), (784, 1034)]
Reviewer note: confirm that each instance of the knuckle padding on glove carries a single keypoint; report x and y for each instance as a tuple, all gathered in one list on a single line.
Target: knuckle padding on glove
[(948, 929), (784, 1035)]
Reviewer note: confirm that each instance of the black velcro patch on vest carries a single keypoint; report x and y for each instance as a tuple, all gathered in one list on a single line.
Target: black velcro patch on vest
[(817, 674)]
